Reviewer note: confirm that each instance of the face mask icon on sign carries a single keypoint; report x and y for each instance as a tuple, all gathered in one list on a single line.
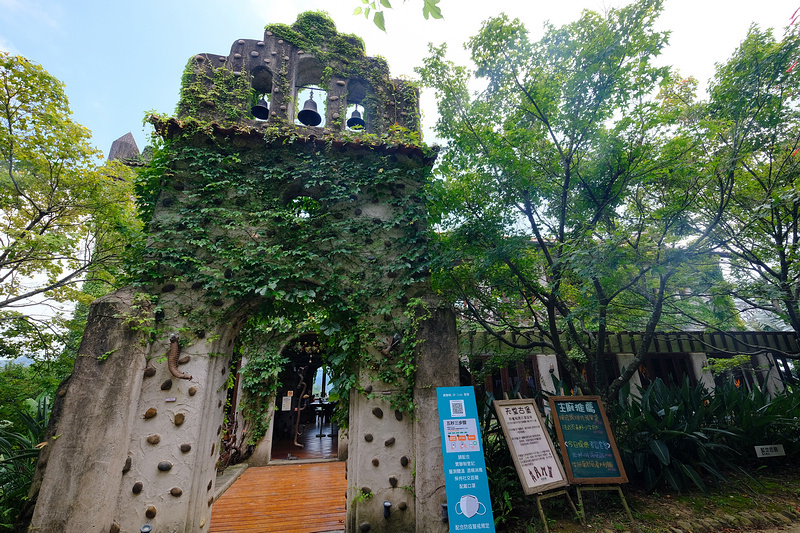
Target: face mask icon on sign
[(469, 506)]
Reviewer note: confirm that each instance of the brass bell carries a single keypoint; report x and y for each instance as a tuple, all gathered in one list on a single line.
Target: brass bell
[(260, 110), (355, 122), (309, 116)]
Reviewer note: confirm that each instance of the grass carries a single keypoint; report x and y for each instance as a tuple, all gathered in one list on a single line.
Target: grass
[(772, 489)]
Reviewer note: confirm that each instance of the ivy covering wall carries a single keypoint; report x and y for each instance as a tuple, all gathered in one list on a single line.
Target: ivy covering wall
[(301, 234), (281, 230)]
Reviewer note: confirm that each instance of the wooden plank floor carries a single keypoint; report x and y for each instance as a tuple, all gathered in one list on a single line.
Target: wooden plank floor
[(314, 447), (292, 498)]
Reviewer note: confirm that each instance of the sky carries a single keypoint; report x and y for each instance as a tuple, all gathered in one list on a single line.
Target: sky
[(120, 60)]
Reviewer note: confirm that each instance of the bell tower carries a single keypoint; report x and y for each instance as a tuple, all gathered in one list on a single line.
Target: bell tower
[(304, 211)]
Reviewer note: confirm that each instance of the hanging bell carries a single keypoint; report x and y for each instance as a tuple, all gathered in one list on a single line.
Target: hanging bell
[(260, 110), (309, 115), (355, 122)]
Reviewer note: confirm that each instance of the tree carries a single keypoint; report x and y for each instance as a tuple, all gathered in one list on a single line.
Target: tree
[(753, 136), (568, 188), (64, 216)]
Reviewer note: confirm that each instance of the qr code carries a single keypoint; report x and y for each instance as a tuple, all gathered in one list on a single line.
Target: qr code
[(457, 408)]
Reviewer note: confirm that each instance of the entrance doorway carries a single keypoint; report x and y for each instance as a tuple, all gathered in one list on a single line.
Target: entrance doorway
[(303, 424)]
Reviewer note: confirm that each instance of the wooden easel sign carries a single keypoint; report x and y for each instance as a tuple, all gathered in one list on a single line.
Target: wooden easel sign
[(533, 452), (588, 448)]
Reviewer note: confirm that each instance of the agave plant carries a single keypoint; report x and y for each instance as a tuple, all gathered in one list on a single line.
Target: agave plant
[(18, 453)]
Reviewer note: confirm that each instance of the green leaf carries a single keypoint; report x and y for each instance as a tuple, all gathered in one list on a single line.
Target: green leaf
[(378, 20), (660, 450), (430, 9), (385, 3), (673, 479), (692, 474), (358, 11)]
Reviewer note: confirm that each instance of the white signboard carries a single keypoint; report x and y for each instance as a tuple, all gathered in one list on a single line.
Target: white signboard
[(534, 456), (770, 450), (286, 403)]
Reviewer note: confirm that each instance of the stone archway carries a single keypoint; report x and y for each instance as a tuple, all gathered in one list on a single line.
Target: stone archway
[(301, 410), (246, 216)]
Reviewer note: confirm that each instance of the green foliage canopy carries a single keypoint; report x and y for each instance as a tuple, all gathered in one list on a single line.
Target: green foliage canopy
[(753, 138), (568, 188), (63, 215)]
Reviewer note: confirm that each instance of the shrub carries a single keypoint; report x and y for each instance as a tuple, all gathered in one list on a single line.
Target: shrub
[(686, 435), (19, 451)]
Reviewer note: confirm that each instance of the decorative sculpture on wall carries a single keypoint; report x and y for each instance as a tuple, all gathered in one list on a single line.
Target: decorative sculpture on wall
[(172, 358), (302, 403)]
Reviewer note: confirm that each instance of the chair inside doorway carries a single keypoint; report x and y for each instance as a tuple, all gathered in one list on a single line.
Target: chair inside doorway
[(303, 426)]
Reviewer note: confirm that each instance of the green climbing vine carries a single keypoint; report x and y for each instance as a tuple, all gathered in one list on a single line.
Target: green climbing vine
[(214, 93), (286, 229), (281, 234)]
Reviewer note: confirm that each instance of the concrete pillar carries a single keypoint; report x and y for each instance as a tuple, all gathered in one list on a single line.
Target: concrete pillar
[(85, 462), (437, 366), (136, 445)]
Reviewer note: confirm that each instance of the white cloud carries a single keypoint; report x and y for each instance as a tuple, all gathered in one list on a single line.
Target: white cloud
[(44, 12), (6, 46)]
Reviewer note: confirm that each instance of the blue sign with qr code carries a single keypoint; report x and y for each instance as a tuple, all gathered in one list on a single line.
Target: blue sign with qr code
[(469, 507)]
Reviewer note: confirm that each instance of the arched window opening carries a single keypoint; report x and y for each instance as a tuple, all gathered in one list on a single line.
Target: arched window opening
[(356, 96), (310, 112), (355, 120), (262, 91), (304, 206)]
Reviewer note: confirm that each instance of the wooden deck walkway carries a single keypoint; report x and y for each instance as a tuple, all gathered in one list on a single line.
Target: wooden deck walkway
[(292, 498)]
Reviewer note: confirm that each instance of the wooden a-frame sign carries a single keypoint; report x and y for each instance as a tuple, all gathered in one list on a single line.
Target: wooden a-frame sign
[(588, 447), (533, 452)]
